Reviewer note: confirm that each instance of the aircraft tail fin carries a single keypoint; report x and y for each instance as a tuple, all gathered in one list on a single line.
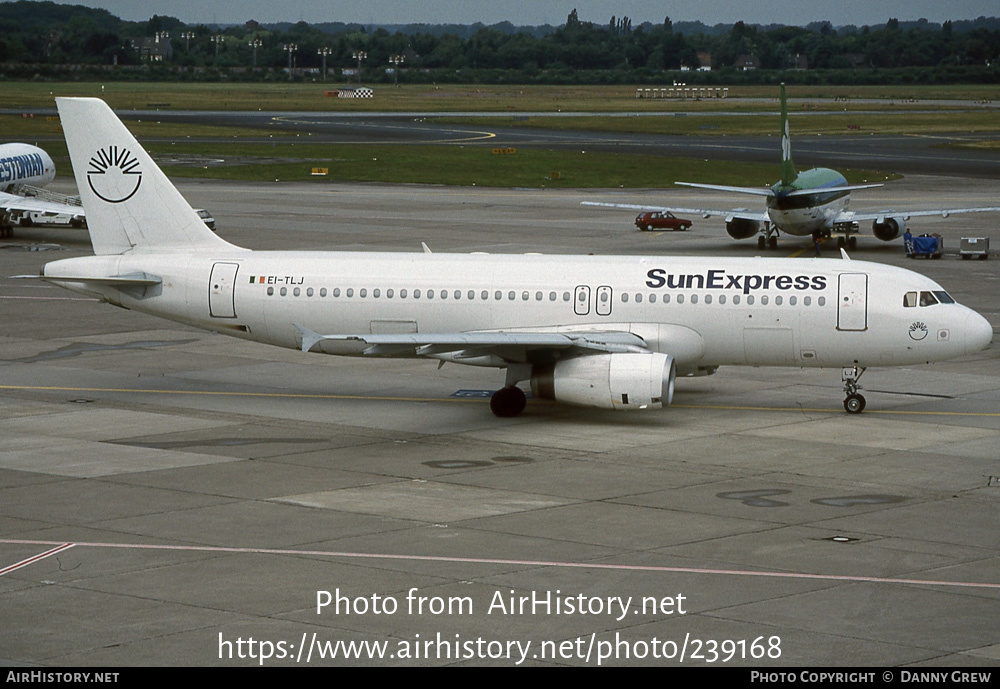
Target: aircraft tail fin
[(788, 173), (130, 204)]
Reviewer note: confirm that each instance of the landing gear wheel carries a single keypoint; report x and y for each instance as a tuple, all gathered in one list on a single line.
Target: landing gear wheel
[(852, 243), (772, 243), (761, 242), (508, 402), (841, 242), (854, 404)]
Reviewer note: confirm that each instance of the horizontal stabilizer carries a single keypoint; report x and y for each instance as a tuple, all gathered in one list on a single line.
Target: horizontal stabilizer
[(130, 280)]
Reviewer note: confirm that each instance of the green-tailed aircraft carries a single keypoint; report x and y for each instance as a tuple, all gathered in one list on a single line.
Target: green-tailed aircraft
[(803, 204)]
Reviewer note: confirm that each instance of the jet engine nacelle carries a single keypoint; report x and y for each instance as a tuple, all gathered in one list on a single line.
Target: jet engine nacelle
[(608, 381), (741, 228), (889, 228)]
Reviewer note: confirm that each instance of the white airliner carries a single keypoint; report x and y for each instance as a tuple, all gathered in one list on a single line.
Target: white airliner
[(24, 165), (808, 204), (606, 332)]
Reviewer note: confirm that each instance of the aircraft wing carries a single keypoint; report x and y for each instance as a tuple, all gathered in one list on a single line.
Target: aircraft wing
[(741, 213), (511, 347), (14, 203), (880, 216), (754, 191)]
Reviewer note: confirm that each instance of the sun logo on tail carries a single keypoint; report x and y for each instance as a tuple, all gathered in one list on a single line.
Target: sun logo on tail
[(114, 174)]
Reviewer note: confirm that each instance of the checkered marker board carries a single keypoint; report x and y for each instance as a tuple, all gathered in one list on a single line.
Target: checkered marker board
[(362, 92)]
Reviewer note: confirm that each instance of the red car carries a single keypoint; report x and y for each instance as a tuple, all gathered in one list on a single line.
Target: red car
[(661, 220)]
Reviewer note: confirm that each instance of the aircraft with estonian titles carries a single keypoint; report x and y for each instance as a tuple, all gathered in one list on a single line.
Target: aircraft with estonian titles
[(25, 168), (807, 204), (597, 331)]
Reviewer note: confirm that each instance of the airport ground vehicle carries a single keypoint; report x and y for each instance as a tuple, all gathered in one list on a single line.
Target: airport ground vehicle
[(925, 246), (661, 220)]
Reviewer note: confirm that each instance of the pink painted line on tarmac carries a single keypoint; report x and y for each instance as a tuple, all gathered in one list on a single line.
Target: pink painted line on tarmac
[(49, 298), (35, 558), (498, 561)]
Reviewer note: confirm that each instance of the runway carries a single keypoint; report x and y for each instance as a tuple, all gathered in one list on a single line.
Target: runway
[(900, 153), (907, 154), (175, 497)]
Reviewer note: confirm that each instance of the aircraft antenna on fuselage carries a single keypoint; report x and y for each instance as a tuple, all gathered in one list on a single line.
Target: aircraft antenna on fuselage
[(788, 174)]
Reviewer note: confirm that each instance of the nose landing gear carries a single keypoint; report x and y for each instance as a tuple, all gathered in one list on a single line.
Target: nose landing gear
[(854, 403)]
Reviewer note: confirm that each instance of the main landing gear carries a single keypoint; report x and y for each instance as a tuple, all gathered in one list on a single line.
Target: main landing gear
[(854, 403), (768, 239), (847, 242)]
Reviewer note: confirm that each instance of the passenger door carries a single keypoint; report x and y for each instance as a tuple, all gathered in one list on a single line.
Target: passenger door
[(221, 290), (852, 302)]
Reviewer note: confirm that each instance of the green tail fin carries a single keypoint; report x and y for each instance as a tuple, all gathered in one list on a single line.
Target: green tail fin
[(788, 173)]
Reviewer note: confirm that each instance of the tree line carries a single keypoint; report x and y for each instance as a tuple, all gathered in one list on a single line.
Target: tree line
[(43, 38)]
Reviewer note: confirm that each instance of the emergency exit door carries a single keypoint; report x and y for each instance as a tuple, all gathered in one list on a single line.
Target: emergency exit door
[(602, 300)]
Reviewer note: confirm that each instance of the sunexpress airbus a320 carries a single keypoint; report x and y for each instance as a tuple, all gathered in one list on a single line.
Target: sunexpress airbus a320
[(813, 203), (607, 332)]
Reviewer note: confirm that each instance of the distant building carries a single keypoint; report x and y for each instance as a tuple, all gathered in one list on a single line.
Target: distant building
[(704, 62), (798, 62), (747, 63), (154, 48)]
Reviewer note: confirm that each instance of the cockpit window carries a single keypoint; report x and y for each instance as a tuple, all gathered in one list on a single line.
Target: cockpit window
[(927, 299), (910, 300), (944, 297)]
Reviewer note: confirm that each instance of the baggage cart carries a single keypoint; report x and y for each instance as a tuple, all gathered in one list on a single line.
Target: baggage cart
[(975, 247), (926, 246)]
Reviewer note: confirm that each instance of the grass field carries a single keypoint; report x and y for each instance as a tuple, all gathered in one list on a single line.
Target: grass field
[(454, 165), (457, 98), (284, 158)]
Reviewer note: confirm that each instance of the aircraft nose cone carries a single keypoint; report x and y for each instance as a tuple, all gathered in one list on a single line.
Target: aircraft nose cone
[(978, 333)]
